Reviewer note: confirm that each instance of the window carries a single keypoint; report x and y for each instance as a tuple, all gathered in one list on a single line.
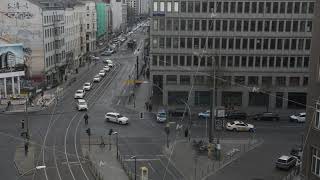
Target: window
[(183, 6), (182, 43), (225, 7), (155, 24), (175, 43), (168, 61), (282, 7), (266, 26), (196, 43), (189, 43), (231, 25), (250, 62), (168, 42), (308, 44), (155, 6), (204, 7), (268, 7), (299, 62), (169, 25), (233, 7), (183, 25), (189, 59), (274, 26), (219, 7), (190, 25), (264, 61), (237, 61), (239, 25), (294, 81), (210, 43), (311, 7), (239, 80), (315, 153), (257, 62), (271, 61), (195, 61), (169, 7), (281, 81), (203, 43), (239, 7), (244, 61), (161, 60), (175, 61), (260, 26), (305, 81), (182, 61), (246, 7), (196, 25), (292, 62), (204, 25), (185, 80), (171, 79), (209, 61), (162, 6), (230, 61), (304, 7), (289, 7), (190, 6), (285, 62), (261, 7), (210, 25), (162, 24), (211, 7), (297, 7), (197, 6), (306, 62), (253, 26), (254, 7), (252, 80), (176, 6), (161, 42), (278, 62), (203, 61), (275, 7), (238, 43), (231, 41), (245, 26), (218, 25)]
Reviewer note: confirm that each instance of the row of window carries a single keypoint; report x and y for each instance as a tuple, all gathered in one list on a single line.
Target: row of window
[(52, 18), (231, 25), (51, 60), (317, 118), (57, 44), (231, 43), (51, 32), (267, 81), (232, 61), (235, 7), (315, 164), (247, 7)]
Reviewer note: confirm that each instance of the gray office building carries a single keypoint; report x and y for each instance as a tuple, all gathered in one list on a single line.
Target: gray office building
[(311, 155), (259, 51)]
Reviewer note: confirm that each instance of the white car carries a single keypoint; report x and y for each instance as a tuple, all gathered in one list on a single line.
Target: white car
[(87, 86), (82, 105), (97, 78), (95, 58), (116, 117), (204, 115), (239, 126), (106, 68), (79, 94), (102, 73), (301, 117), (109, 62)]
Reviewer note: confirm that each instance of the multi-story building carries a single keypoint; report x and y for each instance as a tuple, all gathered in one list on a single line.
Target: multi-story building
[(90, 26), (311, 155), (74, 52), (259, 52), (102, 23), (119, 15), (40, 28)]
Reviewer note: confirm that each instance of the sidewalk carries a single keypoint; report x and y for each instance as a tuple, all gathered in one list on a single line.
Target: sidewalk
[(103, 162), (198, 165), (24, 162)]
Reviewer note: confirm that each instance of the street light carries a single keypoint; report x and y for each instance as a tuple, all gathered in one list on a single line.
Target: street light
[(35, 168), (117, 142), (135, 166)]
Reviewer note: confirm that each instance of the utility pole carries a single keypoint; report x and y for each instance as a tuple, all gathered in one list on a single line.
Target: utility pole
[(137, 65), (212, 108), (27, 119)]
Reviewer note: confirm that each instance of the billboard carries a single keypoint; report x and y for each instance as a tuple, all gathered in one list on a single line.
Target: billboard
[(12, 57)]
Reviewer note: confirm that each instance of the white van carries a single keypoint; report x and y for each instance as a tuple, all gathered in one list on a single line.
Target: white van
[(82, 105), (161, 116)]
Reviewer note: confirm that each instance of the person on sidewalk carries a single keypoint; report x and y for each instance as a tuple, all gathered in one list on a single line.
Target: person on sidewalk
[(22, 124), (86, 117)]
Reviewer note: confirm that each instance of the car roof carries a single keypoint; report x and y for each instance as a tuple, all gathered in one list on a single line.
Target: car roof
[(284, 157), (303, 113), (81, 100), (80, 90), (87, 83), (236, 122), (113, 113)]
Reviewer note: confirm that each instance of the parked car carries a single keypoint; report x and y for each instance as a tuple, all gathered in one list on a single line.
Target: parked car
[(97, 78), (87, 86), (116, 117), (300, 117), (236, 115), (267, 116), (82, 105), (239, 126), (109, 62), (161, 116), (286, 162), (102, 73), (203, 115), (79, 94), (106, 68)]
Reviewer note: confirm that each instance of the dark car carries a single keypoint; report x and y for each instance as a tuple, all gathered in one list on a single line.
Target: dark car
[(267, 116), (236, 115)]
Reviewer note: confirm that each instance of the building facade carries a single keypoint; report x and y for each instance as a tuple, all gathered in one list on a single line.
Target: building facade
[(90, 26), (119, 15), (40, 28), (258, 52), (311, 155), (101, 19)]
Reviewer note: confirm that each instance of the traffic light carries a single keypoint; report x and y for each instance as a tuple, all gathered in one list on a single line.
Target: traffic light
[(110, 132), (88, 131)]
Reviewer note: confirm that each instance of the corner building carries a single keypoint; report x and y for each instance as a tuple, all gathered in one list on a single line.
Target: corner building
[(252, 46)]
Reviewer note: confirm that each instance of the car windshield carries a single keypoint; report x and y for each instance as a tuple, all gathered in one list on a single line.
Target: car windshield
[(79, 91), (282, 161), (162, 115), (87, 84), (119, 116), (82, 103)]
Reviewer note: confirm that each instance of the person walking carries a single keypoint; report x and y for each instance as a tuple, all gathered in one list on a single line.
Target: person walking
[(86, 117)]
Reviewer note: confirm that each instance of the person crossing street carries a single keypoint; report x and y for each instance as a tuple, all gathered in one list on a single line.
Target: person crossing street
[(86, 117)]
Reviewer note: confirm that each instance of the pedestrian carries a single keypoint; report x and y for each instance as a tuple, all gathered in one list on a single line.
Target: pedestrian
[(146, 105), (186, 133), (8, 105), (86, 117), (22, 124)]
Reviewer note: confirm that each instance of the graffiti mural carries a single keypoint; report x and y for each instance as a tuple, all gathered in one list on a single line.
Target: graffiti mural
[(18, 10)]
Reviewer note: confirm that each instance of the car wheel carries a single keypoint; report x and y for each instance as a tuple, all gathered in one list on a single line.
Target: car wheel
[(120, 122), (251, 130), (234, 130), (107, 119)]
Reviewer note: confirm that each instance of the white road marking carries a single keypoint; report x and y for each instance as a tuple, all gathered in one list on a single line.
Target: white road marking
[(130, 160), (119, 102)]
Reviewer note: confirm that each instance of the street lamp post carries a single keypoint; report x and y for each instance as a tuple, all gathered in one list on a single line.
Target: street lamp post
[(135, 166), (117, 142), (35, 168)]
